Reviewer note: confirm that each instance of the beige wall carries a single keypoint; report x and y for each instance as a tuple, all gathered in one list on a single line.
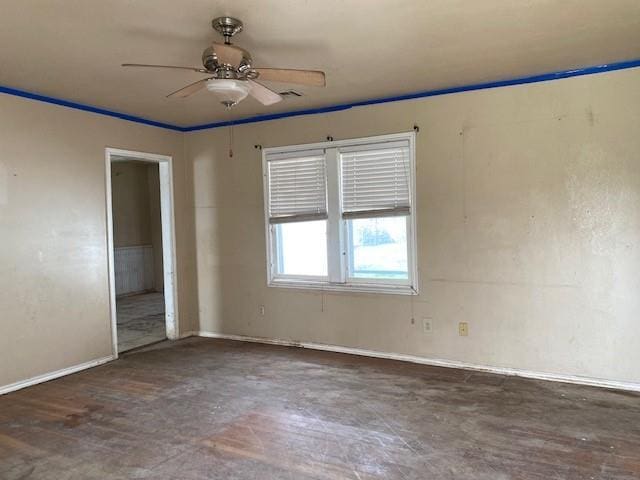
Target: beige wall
[(131, 204), (528, 227), (528, 203), (54, 309)]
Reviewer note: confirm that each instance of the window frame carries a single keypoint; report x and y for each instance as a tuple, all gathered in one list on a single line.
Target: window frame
[(337, 227)]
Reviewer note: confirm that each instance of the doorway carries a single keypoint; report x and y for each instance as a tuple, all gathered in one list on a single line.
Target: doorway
[(141, 244)]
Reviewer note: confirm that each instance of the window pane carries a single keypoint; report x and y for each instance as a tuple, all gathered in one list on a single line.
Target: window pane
[(378, 248), (301, 248)]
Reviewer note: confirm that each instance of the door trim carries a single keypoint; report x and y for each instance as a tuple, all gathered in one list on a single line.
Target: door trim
[(165, 166)]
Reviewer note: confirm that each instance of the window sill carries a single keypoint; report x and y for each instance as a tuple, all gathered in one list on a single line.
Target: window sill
[(345, 288)]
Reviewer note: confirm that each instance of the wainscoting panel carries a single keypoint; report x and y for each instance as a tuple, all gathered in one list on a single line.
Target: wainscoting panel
[(133, 269)]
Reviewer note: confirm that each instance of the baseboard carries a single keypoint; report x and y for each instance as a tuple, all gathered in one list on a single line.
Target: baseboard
[(595, 382), (552, 377), (12, 387)]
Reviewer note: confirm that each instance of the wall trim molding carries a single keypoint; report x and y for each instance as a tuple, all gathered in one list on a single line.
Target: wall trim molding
[(544, 77), (552, 377), (12, 387)]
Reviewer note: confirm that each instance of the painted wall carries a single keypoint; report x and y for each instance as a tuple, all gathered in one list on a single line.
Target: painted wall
[(131, 204), (54, 308), (528, 216), (528, 204)]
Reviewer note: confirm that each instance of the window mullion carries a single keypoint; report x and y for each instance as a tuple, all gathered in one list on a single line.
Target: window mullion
[(335, 257)]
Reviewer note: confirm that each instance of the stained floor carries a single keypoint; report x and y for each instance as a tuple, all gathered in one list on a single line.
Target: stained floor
[(140, 320), (213, 409)]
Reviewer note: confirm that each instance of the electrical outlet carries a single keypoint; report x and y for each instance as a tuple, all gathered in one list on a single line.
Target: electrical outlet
[(261, 310), (463, 329), (427, 326)]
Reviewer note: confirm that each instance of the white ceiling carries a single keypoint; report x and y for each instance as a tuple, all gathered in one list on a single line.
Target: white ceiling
[(72, 49)]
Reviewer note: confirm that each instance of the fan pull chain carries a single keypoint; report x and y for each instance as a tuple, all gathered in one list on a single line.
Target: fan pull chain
[(231, 141)]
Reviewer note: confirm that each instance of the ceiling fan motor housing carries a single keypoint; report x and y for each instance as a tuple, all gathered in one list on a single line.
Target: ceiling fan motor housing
[(212, 64)]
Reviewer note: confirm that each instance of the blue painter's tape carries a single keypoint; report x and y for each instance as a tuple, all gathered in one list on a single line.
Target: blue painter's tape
[(334, 108), (87, 108), (545, 77)]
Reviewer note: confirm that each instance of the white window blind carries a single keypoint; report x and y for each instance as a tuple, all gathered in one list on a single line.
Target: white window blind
[(376, 180), (297, 185)]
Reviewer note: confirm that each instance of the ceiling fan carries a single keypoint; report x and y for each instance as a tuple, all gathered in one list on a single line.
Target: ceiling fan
[(231, 75)]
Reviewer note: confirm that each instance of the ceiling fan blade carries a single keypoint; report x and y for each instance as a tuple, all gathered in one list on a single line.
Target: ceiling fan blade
[(263, 94), (228, 54), (313, 78), (193, 69), (189, 89)]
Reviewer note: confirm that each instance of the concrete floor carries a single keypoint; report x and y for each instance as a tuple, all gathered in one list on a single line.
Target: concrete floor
[(140, 320), (213, 409)]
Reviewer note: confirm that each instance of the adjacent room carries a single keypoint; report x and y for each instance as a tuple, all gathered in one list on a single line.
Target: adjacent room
[(330, 240), (137, 253)]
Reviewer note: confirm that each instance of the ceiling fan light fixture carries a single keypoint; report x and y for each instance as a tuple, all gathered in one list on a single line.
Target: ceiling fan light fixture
[(229, 91)]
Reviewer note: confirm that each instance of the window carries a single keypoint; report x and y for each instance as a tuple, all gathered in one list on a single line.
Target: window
[(341, 215), (301, 248), (377, 248)]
